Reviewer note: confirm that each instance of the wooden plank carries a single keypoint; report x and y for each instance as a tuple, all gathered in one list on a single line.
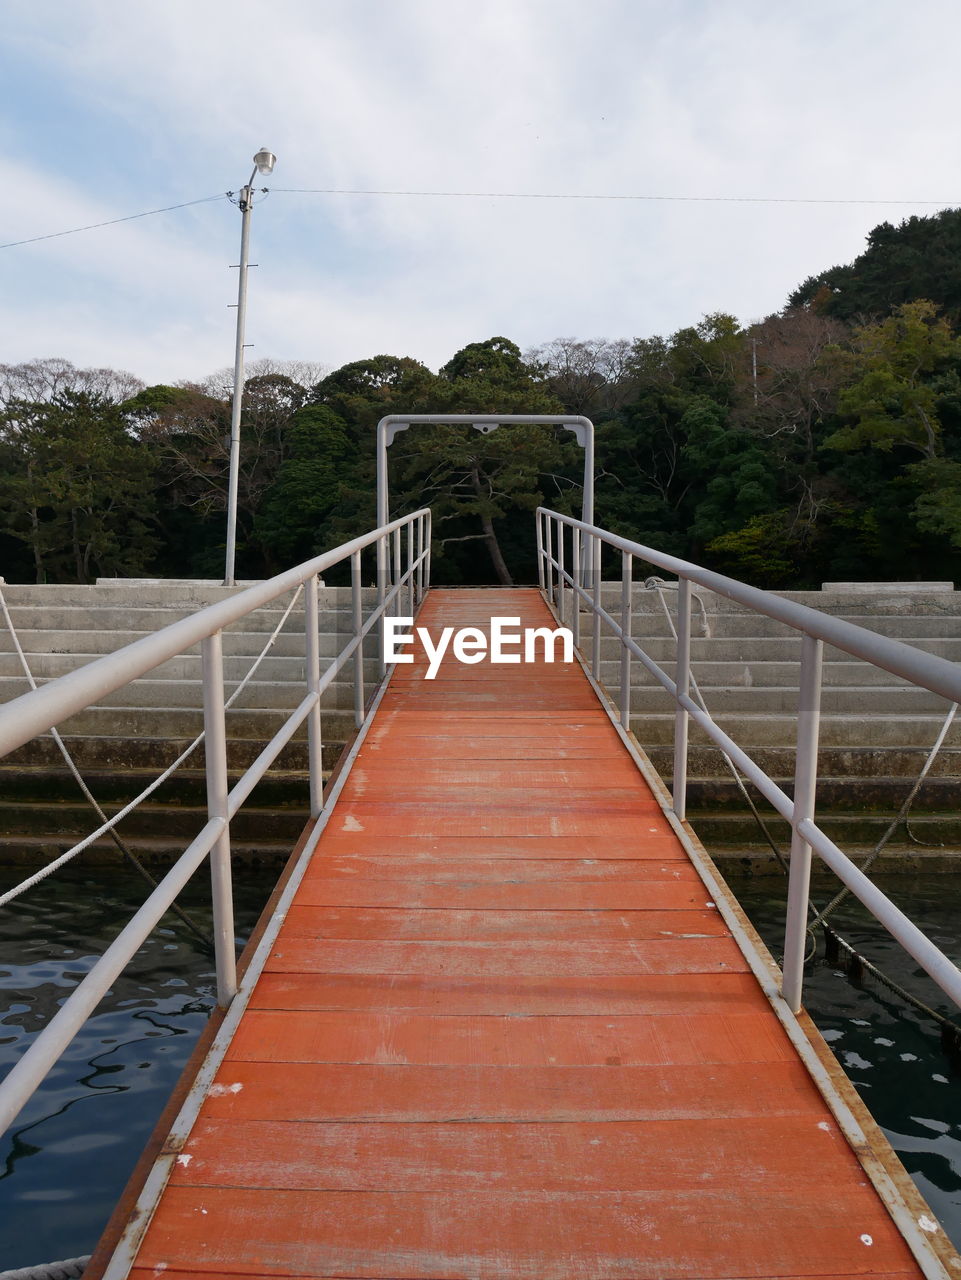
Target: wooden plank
[(517, 995), (268, 1035), (507, 894), (775, 1155), (520, 1235), (505, 959), (369, 1091), (305, 920)]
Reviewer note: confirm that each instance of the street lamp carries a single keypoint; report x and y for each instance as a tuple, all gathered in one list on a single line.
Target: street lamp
[(264, 162)]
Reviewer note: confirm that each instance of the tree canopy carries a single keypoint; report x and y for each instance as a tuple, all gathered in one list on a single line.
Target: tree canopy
[(821, 442)]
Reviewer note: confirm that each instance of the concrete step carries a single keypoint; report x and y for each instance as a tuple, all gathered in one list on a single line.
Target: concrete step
[(178, 823), (762, 649), (274, 668), (93, 643), (837, 730), (936, 830), (153, 755), (749, 625), (755, 674), (877, 795), (39, 785), (853, 700), (833, 761), (159, 593), (128, 618), (186, 722), (260, 695), (33, 852)]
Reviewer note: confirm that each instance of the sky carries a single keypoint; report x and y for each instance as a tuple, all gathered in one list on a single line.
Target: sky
[(758, 132)]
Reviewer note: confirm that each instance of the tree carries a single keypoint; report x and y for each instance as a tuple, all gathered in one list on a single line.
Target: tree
[(76, 488), (919, 258), (477, 484)]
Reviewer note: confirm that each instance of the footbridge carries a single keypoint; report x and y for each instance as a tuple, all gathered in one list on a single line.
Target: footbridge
[(502, 1017)]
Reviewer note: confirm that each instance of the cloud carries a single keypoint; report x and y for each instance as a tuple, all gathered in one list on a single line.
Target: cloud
[(134, 106)]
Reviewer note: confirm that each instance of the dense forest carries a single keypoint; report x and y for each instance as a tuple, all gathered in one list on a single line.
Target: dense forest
[(823, 442)]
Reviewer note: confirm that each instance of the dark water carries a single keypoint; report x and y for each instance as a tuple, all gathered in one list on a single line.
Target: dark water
[(67, 1158), (890, 1051)]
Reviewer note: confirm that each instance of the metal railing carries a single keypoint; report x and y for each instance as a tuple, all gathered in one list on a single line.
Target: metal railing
[(572, 578), (407, 538)]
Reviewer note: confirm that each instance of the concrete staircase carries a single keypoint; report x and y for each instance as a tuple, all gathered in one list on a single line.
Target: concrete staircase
[(876, 730), (130, 738)]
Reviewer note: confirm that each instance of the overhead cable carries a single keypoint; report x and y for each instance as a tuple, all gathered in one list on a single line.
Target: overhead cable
[(112, 222)]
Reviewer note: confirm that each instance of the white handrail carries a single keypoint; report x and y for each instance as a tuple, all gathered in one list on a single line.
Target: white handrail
[(42, 708), (923, 669)]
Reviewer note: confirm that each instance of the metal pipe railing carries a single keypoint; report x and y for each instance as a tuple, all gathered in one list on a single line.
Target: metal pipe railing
[(816, 629), (40, 710)]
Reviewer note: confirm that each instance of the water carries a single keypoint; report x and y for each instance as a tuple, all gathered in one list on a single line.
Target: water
[(890, 1051), (66, 1160), (69, 1155)]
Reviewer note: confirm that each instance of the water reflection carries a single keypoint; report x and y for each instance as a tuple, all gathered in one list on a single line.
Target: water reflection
[(891, 1051), (69, 1154)]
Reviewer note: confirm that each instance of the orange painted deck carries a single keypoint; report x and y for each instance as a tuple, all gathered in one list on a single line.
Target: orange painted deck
[(504, 1033)]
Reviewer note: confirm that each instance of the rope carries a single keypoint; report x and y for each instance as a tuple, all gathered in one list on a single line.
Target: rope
[(108, 824), (69, 1269), (857, 964)]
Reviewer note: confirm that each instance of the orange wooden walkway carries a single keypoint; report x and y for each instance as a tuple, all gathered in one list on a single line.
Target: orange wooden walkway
[(504, 1033)]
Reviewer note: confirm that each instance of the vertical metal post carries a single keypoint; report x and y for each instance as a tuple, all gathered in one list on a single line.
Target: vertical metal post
[(215, 750), (409, 530), (398, 574), (358, 621), (429, 534), (549, 547), (627, 565), (539, 535), (805, 789), (596, 569), (578, 579), (315, 744), (682, 681), (561, 613), (420, 559), (233, 473)]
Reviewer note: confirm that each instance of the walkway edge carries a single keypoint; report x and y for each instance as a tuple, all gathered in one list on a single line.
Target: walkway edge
[(125, 1251), (914, 1218)]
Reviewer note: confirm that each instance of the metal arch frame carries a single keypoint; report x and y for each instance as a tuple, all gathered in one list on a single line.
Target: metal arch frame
[(392, 423)]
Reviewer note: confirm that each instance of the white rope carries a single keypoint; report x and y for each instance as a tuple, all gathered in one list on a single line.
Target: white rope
[(69, 1269), (110, 823)]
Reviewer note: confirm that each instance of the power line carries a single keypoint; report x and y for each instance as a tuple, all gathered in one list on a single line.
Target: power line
[(112, 222), (485, 195), (564, 195)]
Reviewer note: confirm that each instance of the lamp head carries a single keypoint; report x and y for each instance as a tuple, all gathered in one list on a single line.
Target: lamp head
[(265, 160)]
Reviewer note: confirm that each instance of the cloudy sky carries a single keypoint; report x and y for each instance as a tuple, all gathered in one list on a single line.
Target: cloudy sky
[(115, 107)]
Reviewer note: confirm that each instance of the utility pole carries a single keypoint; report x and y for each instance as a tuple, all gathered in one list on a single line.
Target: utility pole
[(264, 162)]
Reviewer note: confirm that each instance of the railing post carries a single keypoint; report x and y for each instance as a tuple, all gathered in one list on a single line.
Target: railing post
[(805, 788), (561, 612), (549, 546), (578, 581), (398, 574), (215, 750), (315, 743), (596, 567), (627, 565), (358, 622), (539, 537), (682, 681)]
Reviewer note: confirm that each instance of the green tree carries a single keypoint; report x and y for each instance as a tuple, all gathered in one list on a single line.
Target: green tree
[(77, 488)]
